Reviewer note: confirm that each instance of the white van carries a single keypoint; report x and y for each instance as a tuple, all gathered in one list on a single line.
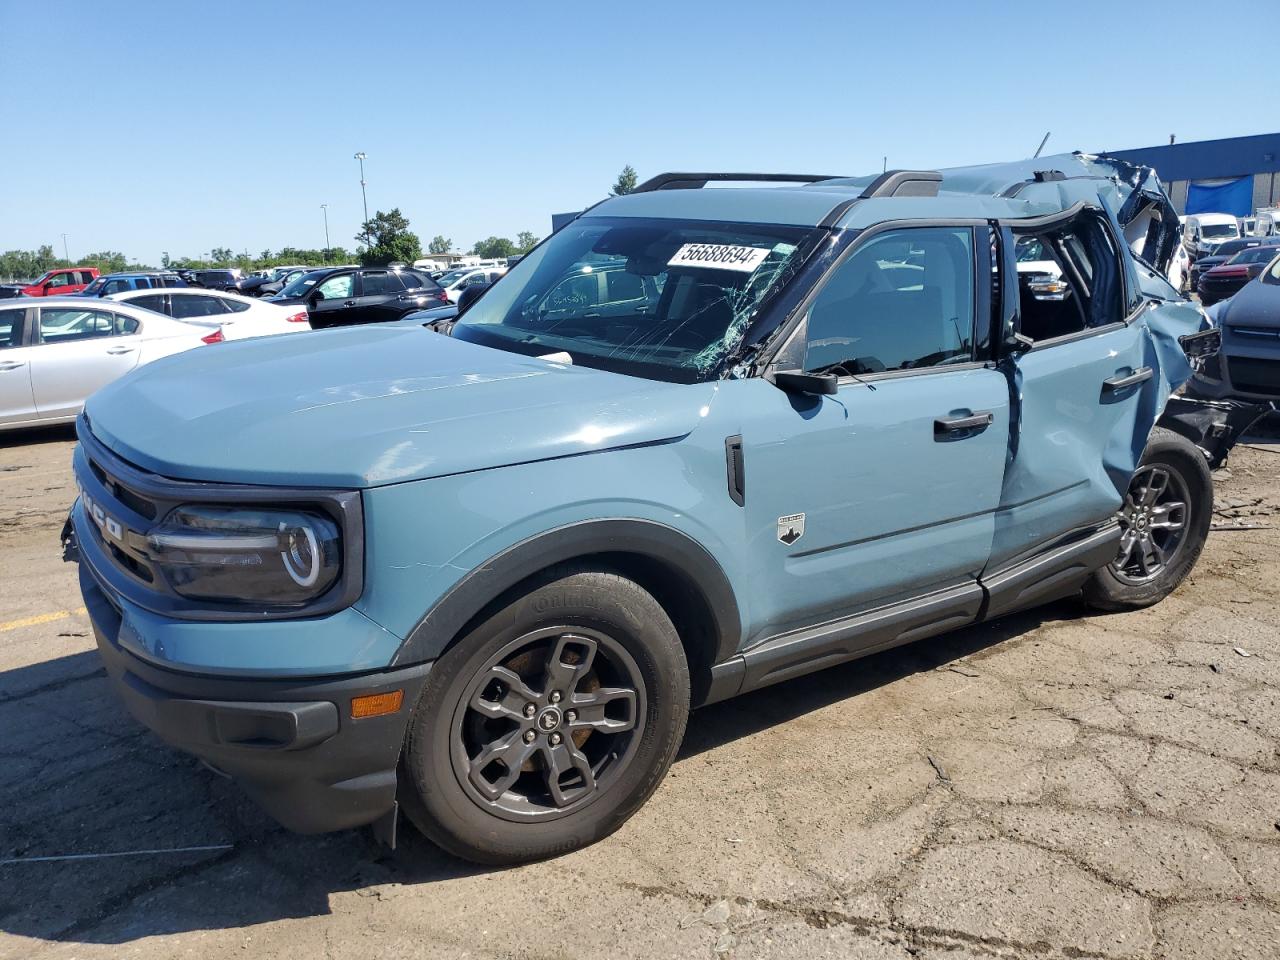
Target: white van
[(1202, 232), (430, 265), (1268, 222)]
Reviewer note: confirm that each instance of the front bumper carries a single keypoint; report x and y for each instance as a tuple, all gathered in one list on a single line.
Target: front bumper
[(291, 743)]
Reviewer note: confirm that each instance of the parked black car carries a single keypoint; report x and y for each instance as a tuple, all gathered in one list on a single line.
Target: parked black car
[(345, 295), (1224, 280), (1224, 253), (268, 286), (214, 279)]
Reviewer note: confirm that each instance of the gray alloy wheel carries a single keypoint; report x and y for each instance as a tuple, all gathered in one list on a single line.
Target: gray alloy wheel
[(1154, 521), (548, 723)]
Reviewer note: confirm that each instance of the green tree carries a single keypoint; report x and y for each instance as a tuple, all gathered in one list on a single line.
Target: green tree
[(390, 240), (108, 261), (221, 255), (525, 241), (440, 244), (626, 182), (494, 248)]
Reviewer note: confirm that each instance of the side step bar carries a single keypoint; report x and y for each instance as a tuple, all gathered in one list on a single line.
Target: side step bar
[(1051, 575)]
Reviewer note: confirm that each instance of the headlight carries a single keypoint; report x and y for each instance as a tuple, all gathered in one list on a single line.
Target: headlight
[(247, 554)]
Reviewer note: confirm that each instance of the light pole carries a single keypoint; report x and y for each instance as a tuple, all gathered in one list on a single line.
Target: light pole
[(325, 208), (65, 255), (363, 198)]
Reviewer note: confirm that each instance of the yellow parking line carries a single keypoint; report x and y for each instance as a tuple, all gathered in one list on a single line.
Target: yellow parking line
[(40, 618)]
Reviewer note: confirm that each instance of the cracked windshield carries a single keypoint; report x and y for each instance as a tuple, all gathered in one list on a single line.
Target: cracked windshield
[(665, 299)]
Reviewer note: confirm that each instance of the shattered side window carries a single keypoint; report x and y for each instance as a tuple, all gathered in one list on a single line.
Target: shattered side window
[(661, 298)]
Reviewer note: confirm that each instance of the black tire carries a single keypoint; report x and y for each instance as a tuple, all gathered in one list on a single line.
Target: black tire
[(621, 631), (1112, 588)]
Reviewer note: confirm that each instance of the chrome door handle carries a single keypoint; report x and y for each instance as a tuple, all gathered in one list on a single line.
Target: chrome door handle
[(116, 351), (11, 365), (348, 303), (1118, 383), (946, 428)]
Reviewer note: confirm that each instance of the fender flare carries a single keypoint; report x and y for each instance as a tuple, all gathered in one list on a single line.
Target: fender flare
[(487, 581)]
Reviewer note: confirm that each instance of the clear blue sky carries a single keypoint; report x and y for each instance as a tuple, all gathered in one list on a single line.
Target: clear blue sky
[(147, 127)]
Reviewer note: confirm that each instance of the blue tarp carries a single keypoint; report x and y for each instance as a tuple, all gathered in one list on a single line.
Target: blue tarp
[(1234, 197)]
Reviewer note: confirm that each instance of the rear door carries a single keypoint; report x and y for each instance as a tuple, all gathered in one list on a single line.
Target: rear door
[(78, 352), (886, 490), (378, 295), (17, 403), (1087, 393)]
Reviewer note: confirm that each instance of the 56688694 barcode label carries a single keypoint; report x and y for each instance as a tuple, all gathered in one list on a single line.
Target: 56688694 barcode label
[(719, 256)]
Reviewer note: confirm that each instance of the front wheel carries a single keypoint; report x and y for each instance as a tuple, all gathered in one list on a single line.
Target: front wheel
[(1164, 522), (549, 723)]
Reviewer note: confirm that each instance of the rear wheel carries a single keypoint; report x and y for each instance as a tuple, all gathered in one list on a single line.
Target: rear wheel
[(1164, 522), (549, 723)]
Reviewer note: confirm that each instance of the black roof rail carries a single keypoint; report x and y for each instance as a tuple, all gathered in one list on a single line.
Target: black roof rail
[(696, 181), (903, 183)]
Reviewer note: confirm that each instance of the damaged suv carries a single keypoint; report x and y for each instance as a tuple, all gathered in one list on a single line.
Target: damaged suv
[(697, 442)]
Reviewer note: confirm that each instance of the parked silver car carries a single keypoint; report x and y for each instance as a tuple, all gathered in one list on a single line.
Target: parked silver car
[(56, 351)]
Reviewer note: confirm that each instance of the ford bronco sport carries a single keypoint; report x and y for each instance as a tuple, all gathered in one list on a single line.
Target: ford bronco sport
[(484, 575)]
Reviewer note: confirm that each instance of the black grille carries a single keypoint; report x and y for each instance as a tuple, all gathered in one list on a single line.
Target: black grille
[(1255, 376), (135, 502)]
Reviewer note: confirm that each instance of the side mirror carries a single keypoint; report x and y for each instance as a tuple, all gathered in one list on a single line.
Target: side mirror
[(811, 384), (314, 297)]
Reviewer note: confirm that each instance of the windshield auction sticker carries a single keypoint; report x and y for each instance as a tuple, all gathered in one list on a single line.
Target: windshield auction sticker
[(719, 256)]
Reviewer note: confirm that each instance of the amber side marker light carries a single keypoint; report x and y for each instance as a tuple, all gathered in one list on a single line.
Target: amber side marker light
[(376, 704)]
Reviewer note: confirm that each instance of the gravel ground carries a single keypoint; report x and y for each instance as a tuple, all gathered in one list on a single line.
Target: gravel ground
[(1052, 785)]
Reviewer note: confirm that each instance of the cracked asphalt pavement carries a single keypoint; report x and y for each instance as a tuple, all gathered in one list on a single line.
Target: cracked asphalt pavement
[(1052, 785)]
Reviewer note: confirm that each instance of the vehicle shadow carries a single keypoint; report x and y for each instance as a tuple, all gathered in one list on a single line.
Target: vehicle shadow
[(79, 778), (31, 436)]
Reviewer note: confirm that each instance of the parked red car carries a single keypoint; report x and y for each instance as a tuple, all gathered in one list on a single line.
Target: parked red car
[(59, 283), (1224, 280)]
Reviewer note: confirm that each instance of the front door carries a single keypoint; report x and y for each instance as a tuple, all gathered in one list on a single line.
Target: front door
[(886, 490), (1088, 393), (16, 401), (78, 352), (331, 301)]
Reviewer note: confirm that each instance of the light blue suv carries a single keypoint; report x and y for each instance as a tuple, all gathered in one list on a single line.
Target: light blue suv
[(697, 442)]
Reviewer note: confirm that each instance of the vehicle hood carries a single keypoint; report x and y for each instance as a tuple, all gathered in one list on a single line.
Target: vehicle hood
[(366, 406), (1256, 304)]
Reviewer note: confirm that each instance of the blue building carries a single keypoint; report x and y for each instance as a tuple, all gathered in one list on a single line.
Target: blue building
[(1237, 175)]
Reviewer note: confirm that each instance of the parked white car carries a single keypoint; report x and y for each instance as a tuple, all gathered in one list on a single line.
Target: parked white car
[(55, 351), (239, 317), (456, 280)]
